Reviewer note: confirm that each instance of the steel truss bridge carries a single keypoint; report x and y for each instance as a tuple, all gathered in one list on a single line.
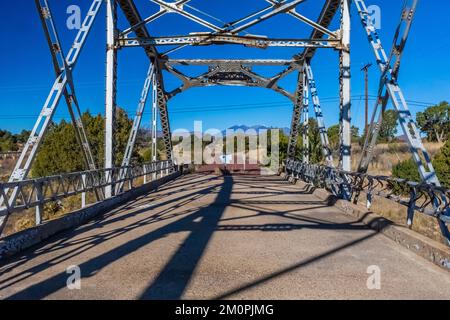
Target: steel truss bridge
[(426, 197)]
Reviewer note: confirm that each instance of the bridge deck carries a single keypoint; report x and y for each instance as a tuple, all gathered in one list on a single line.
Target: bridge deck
[(214, 237)]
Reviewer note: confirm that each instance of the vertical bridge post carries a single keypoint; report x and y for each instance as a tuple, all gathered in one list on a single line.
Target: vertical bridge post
[(154, 120), (345, 96), (305, 116), (110, 103)]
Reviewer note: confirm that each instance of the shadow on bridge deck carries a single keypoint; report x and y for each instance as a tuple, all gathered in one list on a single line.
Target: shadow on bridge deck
[(222, 237)]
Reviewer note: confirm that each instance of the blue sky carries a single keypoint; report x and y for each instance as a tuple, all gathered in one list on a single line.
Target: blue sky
[(26, 73)]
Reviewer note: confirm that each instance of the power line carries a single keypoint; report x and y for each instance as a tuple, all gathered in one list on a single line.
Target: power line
[(228, 107)]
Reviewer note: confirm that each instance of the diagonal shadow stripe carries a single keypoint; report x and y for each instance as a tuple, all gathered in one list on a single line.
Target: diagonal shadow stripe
[(174, 278)]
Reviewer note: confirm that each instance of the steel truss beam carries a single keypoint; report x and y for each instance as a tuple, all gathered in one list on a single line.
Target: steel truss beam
[(326, 150), (326, 16), (149, 80), (275, 8), (317, 26), (243, 62), (60, 64), (224, 73), (176, 8), (390, 89), (138, 26), (296, 115), (383, 96), (231, 73), (300, 118), (229, 33), (210, 39), (233, 28), (30, 149), (165, 124), (154, 120), (280, 7)]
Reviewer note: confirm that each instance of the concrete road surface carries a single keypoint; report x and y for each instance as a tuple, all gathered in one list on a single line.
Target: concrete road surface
[(236, 237)]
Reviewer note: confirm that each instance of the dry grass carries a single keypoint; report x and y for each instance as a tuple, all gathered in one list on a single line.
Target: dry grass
[(6, 167), (26, 219), (386, 156)]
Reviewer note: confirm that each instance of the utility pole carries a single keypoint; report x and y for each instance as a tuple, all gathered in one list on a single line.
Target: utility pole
[(366, 81)]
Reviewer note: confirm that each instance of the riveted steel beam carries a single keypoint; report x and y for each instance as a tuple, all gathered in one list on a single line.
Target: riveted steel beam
[(217, 39), (326, 16), (296, 116)]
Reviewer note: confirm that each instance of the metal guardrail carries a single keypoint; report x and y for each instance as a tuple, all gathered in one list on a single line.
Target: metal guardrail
[(10, 154), (38, 192), (417, 197)]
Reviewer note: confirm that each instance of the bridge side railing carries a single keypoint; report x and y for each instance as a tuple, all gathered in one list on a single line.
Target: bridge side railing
[(9, 155), (417, 197), (35, 193)]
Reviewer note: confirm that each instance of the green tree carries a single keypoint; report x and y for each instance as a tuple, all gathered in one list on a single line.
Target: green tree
[(388, 129), (23, 136), (146, 153), (95, 128), (435, 122), (406, 170), (442, 164), (355, 134), (12, 142), (315, 144), (122, 134), (60, 151), (334, 136), (284, 143), (8, 142)]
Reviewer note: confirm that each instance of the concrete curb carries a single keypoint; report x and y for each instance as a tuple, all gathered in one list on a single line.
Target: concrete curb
[(429, 249), (20, 241)]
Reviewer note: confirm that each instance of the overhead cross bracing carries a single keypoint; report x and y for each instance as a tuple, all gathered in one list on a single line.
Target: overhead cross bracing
[(208, 28)]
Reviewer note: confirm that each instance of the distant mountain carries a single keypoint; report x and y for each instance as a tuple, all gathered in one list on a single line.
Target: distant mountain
[(146, 133)]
